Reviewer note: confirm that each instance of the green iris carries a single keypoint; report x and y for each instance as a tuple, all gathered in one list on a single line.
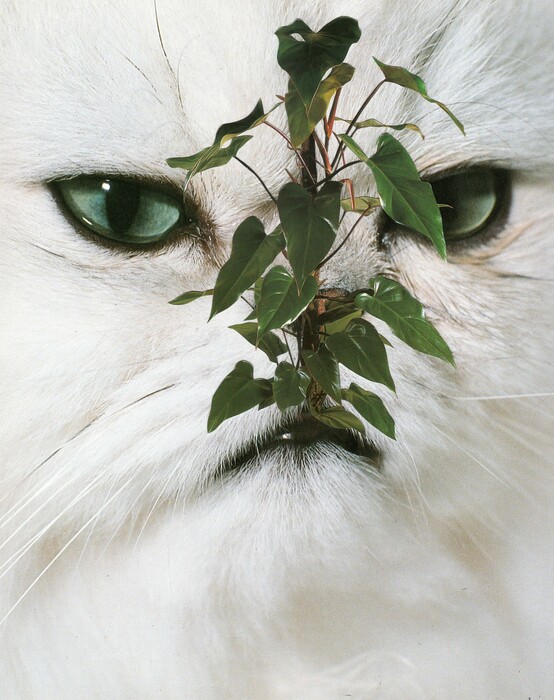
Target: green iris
[(121, 210), (474, 196)]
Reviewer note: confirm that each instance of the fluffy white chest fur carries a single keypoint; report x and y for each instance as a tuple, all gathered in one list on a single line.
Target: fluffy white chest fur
[(130, 566)]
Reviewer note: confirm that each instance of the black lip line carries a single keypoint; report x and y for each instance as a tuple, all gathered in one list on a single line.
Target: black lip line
[(364, 448)]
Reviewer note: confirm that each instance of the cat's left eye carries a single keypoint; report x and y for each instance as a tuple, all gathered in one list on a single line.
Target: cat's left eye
[(124, 211)]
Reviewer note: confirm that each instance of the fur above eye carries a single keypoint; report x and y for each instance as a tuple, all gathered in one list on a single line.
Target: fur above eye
[(475, 196), (122, 210)]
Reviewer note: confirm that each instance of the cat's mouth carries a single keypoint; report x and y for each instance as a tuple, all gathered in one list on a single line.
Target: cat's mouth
[(302, 438)]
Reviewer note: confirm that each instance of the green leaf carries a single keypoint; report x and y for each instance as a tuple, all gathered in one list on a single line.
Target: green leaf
[(303, 118), (362, 205), (280, 303), (308, 59), (290, 385), (374, 123), (215, 155), (207, 158), (233, 129), (403, 77), (309, 224), (324, 368), (271, 344), (251, 253), (336, 310), (338, 417), (370, 406), (404, 196), (187, 297), (361, 349), (237, 393), (405, 316)]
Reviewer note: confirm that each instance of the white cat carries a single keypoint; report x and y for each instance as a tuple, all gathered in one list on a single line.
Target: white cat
[(135, 562)]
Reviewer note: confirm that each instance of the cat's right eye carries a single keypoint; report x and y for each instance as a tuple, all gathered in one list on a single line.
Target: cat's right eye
[(474, 198), (123, 211)]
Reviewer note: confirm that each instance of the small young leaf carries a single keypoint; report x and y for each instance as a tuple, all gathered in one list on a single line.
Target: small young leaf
[(307, 60), (403, 77), (251, 253), (309, 224), (303, 118), (370, 406), (374, 123), (363, 205), (290, 385), (271, 344), (324, 368), (280, 303), (404, 196), (405, 316), (361, 349), (187, 297), (338, 417), (237, 393)]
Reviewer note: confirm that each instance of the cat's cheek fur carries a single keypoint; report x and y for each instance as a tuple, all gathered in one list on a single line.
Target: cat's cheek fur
[(131, 567)]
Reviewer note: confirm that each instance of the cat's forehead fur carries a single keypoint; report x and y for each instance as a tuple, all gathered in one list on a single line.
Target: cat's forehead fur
[(427, 579)]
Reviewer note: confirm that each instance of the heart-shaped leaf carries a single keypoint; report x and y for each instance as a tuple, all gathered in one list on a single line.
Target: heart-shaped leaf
[(403, 77), (405, 316), (309, 224), (237, 393), (338, 417), (271, 344), (306, 60), (280, 303), (370, 406), (251, 253), (187, 297), (290, 385), (303, 118), (404, 196), (324, 368), (361, 349)]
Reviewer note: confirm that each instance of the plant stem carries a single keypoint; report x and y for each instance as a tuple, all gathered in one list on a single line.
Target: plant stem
[(358, 114), (259, 178), (334, 252), (282, 133)]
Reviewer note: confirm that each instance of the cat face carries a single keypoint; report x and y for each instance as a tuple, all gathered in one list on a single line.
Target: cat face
[(281, 575)]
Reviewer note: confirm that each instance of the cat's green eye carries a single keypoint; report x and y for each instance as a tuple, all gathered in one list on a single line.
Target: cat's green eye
[(474, 195), (125, 211)]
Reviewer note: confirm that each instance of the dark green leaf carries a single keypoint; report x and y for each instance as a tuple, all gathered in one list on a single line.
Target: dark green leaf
[(237, 393), (362, 205), (271, 344), (405, 316), (187, 297), (403, 77), (338, 417), (336, 310), (308, 59), (324, 368), (280, 303), (370, 406), (251, 253), (361, 349), (309, 225), (404, 196), (304, 117), (290, 385), (232, 129)]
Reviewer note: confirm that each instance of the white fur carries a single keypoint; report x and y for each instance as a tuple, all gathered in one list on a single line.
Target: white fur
[(130, 570)]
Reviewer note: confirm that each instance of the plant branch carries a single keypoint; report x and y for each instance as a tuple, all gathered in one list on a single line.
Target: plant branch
[(334, 252), (259, 178)]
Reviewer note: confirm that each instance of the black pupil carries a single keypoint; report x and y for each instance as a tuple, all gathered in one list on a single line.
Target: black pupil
[(122, 203)]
